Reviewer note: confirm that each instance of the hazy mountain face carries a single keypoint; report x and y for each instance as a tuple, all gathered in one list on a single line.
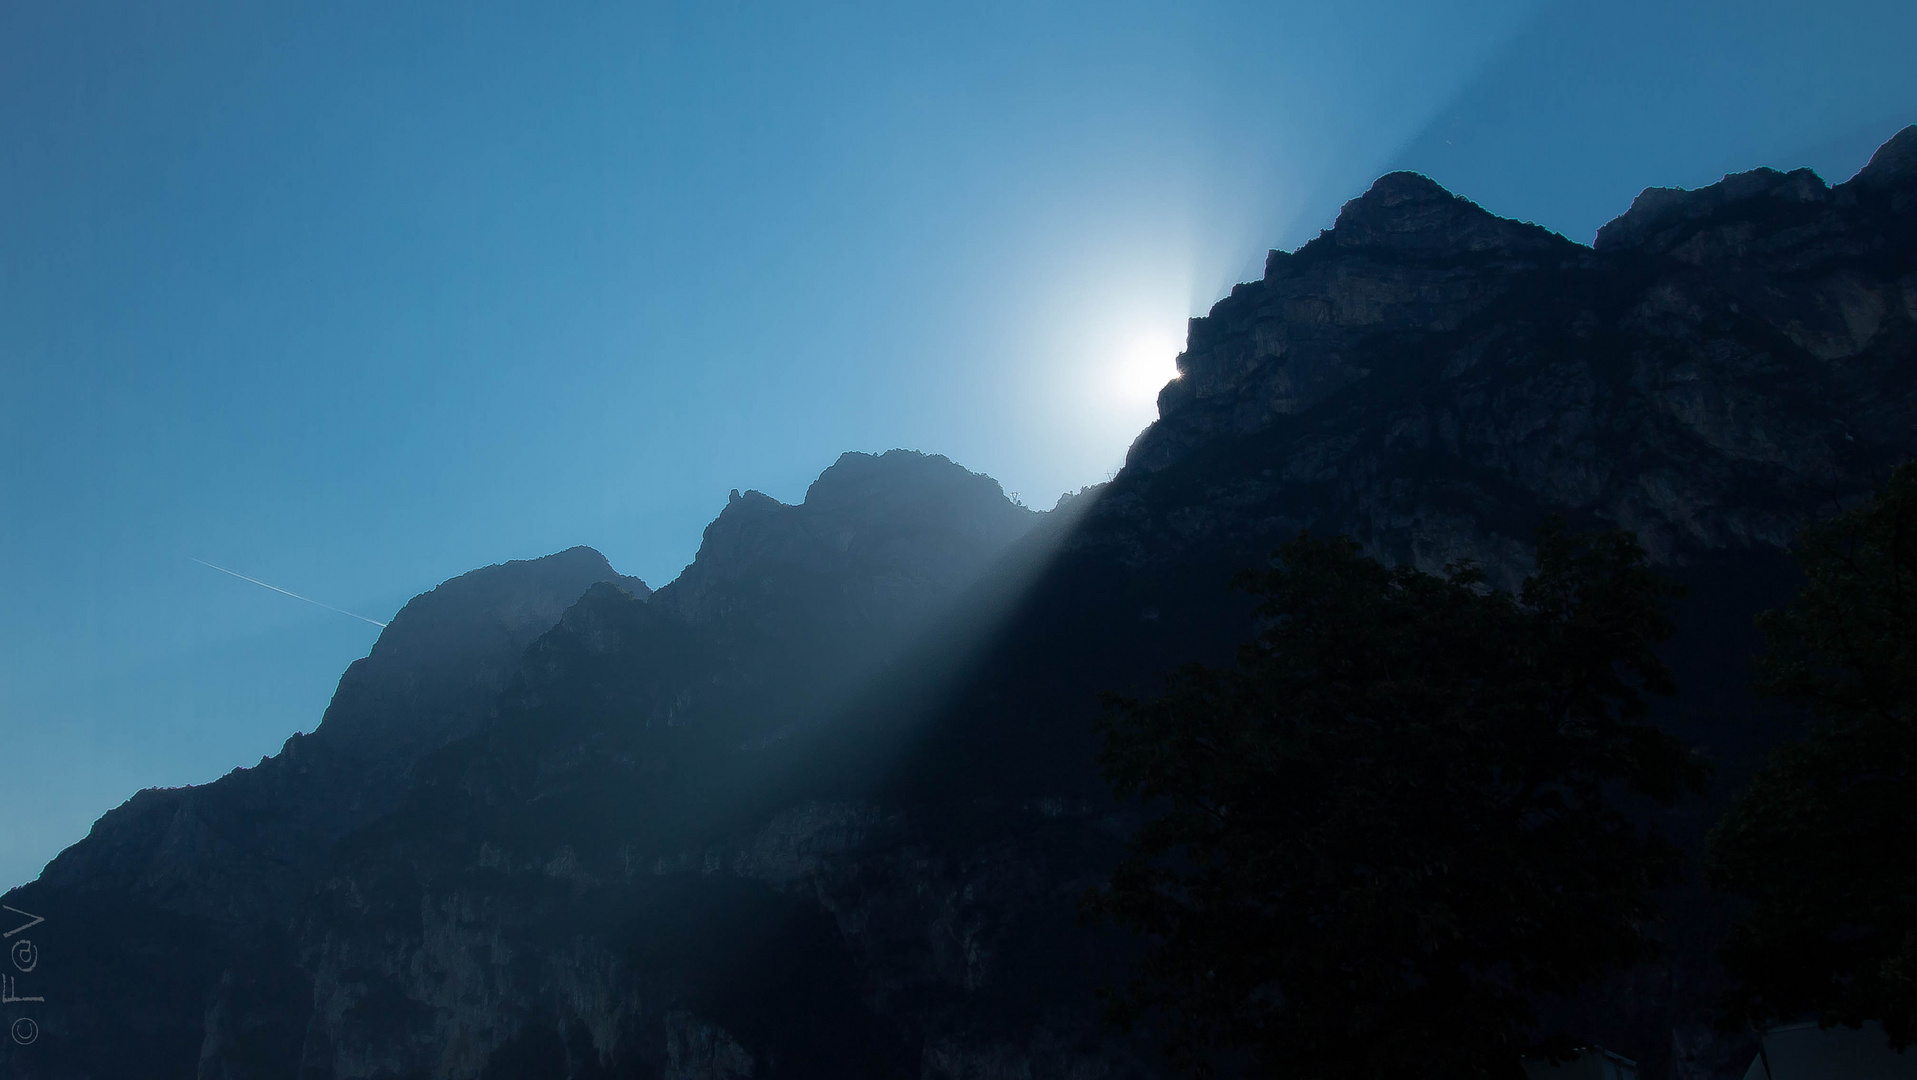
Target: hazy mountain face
[(431, 678), (1428, 375), (823, 805), (184, 907), (177, 882)]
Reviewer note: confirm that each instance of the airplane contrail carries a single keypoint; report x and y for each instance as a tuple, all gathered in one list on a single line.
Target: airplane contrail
[(287, 592)]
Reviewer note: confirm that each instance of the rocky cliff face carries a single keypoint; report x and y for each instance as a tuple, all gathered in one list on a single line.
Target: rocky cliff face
[(824, 805), (436, 670), (224, 850), (214, 895), (877, 538), (667, 800), (1428, 377), (147, 908)]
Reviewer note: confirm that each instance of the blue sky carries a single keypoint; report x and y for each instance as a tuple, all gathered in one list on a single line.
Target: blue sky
[(355, 297)]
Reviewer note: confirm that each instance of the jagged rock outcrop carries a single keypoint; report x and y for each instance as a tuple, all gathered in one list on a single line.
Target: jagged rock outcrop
[(174, 883), (1720, 369), (1425, 376), (437, 668), (810, 598), (877, 538), (779, 611), (658, 784), (235, 849), (1428, 377), (824, 805)]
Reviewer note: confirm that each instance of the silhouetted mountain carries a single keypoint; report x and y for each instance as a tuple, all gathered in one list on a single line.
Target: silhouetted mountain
[(823, 806), (877, 539), (182, 907), (222, 850), (436, 669), (186, 876), (1427, 377)]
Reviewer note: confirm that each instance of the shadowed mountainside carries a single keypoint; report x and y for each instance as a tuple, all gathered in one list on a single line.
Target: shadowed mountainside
[(248, 842), (824, 805)]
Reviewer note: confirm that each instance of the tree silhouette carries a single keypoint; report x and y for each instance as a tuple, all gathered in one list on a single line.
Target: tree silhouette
[(1825, 839), (1392, 822)]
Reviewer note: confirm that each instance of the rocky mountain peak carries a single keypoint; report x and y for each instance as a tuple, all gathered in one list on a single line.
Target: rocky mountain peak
[(244, 846), (438, 665), (1738, 215), (794, 806), (1409, 212), (1405, 258), (1894, 163), (902, 521), (873, 487), (519, 594), (1658, 217), (1763, 325)]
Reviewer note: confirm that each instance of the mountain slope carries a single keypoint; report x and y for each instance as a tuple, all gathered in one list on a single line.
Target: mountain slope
[(1425, 377), (184, 909), (173, 884), (1724, 363), (824, 805)]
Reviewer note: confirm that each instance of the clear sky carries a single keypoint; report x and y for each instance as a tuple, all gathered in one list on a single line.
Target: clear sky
[(355, 297)]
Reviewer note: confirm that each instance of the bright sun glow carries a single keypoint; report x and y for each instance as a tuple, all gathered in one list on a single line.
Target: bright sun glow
[(1145, 366)]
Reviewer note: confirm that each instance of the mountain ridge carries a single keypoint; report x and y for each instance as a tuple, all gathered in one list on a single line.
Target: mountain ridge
[(825, 808), (1784, 349)]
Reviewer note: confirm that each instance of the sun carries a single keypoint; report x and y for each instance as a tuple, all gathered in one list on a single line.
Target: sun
[(1144, 366)]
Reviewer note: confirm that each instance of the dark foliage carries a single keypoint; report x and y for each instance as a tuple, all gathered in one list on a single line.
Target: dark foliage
[(1825, 840), (1393, 821)]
